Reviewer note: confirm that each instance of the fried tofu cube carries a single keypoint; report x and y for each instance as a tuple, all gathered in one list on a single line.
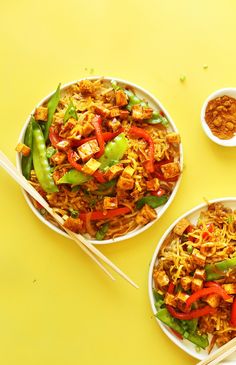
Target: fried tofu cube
[(121, 98), (22, 148), (128, 172), (186, 282), (58, 158), (125, 183), (69, 125), (101, 110), (230, 288), (145, 215), (88, 149), (200, 274), (170, 170), (198, 258), (153, 185), (170, 299), (213, 300), (160, 278), (110, 202), (86, 87), (114, 124), (140, 113), (173, 138), (197, 284), (87, 128), (63, 145), (41, 113), (124, 114), (114, 171), (181, 226), (91, 166), (114, 112), (74, 224), (181, 299)]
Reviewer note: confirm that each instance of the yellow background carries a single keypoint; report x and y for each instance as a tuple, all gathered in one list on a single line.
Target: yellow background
[(56, 306)]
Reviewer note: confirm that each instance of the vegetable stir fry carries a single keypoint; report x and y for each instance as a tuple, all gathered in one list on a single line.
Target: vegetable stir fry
[(101, 157), (195, 278)]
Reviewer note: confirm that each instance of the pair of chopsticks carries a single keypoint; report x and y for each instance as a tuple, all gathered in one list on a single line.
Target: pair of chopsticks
[(220, 354), (81, 241)]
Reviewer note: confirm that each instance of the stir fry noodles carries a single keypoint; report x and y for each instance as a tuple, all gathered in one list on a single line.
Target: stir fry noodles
[(195, 278), (101, 157)]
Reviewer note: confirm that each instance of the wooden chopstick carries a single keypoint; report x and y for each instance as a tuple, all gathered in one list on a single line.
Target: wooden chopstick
[(86, 246), (220, 354)]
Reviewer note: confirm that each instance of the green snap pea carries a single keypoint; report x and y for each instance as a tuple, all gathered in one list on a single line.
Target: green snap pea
[(26, 162), (114, 151), (151, 200), (52, 105), (74, 177), (40, 161), (219, 269)]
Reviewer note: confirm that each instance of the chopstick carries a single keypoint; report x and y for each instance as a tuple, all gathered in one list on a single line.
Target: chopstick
[(81, 241), (220, 354)]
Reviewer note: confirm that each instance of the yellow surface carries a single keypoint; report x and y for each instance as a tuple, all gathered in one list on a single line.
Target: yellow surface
[(56, 306)]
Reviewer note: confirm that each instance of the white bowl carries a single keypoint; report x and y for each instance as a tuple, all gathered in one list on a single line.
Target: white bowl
[(156, 104), (185, 345), (230, 91)]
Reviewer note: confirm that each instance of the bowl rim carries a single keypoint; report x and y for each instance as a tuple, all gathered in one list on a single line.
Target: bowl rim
[(164, 328), (230, 91), (173, 127)]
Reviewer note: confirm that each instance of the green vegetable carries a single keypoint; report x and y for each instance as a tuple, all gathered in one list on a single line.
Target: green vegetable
[(219, 269), (74, 213), (102, 232), (107, 185), (180, 326), (133, 99), (190, 249), (152, 201), (50, 151), (199, 340), (157, 119), (70, 112), (26, 162), (114, 151), (74, 177), (114, 85), (40, 161), (52, 105), (159, 300), (182, 78), (164, 316)]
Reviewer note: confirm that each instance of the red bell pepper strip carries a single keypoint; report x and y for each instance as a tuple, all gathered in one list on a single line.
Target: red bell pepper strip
[(100, 215), (196, 313), (177, 334), (97, 123), (171, 288), (71, 158), (54, 137), (99, 176), (142, 133), (214, 289), (233, 313)]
